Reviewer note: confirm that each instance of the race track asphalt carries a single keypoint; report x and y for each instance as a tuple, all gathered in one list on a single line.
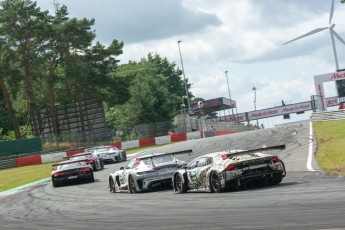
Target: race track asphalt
[(303, 200)]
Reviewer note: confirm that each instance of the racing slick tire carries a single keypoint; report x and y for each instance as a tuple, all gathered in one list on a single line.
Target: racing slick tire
[(277, 179), (179, 185), (131, 185), (92, 178), (111, 185), (94, 167), (55, 183), (215, 184), (116, 159)]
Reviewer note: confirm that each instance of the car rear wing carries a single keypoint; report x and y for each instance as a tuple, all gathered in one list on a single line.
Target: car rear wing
[(275, 147), (138, 159), (67, 162), (77, 155), (189, 152)]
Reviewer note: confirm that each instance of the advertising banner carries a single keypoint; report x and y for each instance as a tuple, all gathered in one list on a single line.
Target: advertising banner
[(281, 110)]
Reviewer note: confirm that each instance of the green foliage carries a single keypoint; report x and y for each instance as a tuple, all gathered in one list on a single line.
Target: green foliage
[(9, 135), (152, 92), (331, 144), (51, 60), (5, 124)]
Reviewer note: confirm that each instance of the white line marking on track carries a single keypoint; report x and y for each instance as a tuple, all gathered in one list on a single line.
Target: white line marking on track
[(310, 153)]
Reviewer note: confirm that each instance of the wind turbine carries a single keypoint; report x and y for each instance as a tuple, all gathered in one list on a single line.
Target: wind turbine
[(332, 32)]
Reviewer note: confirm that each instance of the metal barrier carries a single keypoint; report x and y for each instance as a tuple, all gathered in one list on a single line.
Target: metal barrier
[(329, 115), (69, 141), (10, 163)]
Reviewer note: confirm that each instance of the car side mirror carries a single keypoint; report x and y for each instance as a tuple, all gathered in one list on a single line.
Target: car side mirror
[(185, 167), (122, 168)]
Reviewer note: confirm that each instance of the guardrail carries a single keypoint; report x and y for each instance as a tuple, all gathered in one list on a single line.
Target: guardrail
[(329, 115), (60, 155), (10, 163)]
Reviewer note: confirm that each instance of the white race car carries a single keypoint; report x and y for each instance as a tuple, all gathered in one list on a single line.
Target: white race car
[(146, 173), (109, 154), (214, 172)]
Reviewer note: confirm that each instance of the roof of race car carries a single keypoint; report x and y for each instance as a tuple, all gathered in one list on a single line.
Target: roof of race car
[(81, 154), (103, 147)]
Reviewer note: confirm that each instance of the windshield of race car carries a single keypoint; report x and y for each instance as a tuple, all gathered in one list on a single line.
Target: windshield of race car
[(159, 160), (105, 149)]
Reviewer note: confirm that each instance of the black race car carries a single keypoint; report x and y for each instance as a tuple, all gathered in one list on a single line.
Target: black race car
[(71, 171)]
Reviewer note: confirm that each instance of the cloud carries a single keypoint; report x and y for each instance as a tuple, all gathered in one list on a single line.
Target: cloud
[(138, 21), (244, 37)]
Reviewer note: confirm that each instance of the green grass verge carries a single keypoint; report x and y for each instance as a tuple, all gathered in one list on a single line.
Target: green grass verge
[(330, 137), (15, 177)]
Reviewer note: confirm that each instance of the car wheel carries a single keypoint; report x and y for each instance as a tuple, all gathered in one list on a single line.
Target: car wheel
[(55, 183), (92, 178), (215, 184), (180, 186), (111, 185), (131, 185), (94, 167), (277, 179), (102, 164)]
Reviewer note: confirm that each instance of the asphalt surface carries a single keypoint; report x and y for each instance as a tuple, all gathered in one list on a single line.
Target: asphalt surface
[(303, 200)]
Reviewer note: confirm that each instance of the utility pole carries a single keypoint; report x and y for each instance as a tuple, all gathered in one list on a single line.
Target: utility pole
[(56, 6), (227, 80), (254, 89)]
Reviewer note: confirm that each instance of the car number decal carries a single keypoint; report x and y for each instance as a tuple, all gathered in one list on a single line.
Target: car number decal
[(121, 179)]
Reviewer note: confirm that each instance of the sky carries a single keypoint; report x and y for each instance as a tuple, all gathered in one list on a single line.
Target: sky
[(243, 37)]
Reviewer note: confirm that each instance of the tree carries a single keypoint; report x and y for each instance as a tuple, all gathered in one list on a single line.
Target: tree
[(24, 29), (66, 35), (6, 58), (9, 107), (155, 91), (87, 72)]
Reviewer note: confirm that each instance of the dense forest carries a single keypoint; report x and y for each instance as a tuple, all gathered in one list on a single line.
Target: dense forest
[(50, 59)]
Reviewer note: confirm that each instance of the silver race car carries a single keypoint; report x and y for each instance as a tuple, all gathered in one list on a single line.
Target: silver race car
[(231, 169), (146, 173), (109, 154)]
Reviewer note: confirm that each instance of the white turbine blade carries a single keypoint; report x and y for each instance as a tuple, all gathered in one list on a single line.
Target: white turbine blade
[(331, 12), (338, 36), (334, 49), (307, 34)]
